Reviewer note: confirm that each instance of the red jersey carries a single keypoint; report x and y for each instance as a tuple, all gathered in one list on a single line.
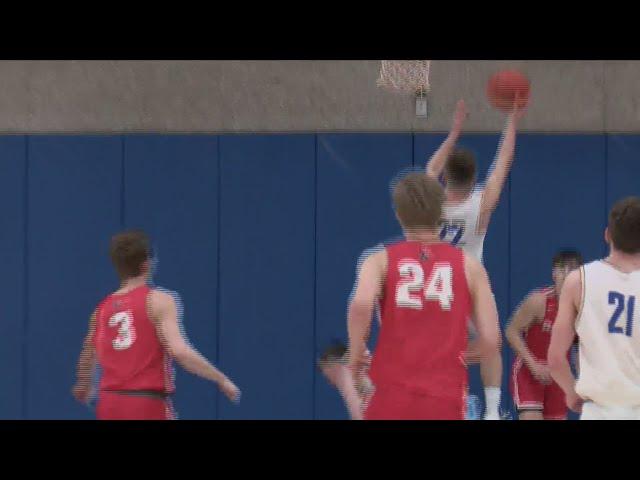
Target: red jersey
[(538, 336), (129, 352), (424, 310)]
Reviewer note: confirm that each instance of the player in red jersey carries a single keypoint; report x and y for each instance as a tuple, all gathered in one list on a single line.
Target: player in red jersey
[(427, 290), (134, 333), (536, 395)]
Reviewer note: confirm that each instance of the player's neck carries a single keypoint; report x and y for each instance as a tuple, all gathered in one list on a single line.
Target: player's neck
[(424, 237), (131, 284), (456, 195), (623, 261)]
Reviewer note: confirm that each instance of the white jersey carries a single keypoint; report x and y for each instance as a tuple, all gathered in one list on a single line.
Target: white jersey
[(460, 225), (609, 339)]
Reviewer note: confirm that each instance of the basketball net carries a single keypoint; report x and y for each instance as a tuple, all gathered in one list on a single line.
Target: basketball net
[(405, 76)]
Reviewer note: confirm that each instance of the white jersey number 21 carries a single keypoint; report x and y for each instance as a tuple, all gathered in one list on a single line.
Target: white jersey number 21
[(411, 289)]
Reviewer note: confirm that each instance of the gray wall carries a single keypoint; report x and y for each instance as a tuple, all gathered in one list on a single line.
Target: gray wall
[(277, 96)]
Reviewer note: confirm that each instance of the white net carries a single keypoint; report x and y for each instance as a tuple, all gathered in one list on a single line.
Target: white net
[(405, 76)]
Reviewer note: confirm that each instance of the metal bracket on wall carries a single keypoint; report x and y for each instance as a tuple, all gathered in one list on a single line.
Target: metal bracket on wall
[(421, 105)]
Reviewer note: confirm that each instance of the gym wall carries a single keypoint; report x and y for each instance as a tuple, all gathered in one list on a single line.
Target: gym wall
[(260, 235)]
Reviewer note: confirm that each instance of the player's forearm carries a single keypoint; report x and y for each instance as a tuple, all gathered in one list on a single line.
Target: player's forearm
[(347, 388), (358, 324), (193, 362), (561, 373), (514, 337), (86, 366), (499, 170), (507, 148), (436, 163), (354, 404), (484, 347)]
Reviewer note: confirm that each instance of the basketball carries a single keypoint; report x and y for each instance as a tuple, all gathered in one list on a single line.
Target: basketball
[(503, 88)]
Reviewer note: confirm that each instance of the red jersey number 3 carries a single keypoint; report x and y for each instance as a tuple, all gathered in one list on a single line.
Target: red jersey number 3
[(123, 321), (411, 289)]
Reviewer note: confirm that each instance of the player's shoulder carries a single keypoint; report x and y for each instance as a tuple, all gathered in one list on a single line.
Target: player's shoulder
[(538, 297), (375, 259), (595, 267), (470, 261), (379, 251), (162, 291), (573, 281), (597, 263), (376, 249), (544, 292), (101, 305), (159, 297), (473, 269), (390, 243)]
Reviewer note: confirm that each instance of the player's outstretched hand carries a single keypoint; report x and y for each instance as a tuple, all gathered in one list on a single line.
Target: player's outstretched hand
[(459, 116), (231, 391), (517, 112), (574, 402)]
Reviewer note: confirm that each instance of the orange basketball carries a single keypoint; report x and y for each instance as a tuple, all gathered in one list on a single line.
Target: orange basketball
[(503, 87)]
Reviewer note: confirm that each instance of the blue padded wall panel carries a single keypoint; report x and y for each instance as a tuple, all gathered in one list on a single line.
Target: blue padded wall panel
[(74, 186), (267, 274), (623, 168), (12, 286)]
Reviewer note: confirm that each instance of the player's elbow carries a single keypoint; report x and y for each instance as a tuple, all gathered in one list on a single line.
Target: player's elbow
[(511, 334), (492, 345), (179, 351), (488, 346), (360, 310)]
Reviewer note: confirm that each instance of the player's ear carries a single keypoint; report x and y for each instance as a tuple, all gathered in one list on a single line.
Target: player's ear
[(607, 237)]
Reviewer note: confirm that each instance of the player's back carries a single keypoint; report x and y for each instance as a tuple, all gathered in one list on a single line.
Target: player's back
[(609, 340), (128, 349), (460, 225), (424, 309)]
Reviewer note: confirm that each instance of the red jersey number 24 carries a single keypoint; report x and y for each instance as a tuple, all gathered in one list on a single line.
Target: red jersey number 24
[(411, 291)]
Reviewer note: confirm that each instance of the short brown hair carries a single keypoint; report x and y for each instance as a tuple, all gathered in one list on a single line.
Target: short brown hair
[(460, 169), (566, 257), (418, 201), (624, 225), (129, 250)]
